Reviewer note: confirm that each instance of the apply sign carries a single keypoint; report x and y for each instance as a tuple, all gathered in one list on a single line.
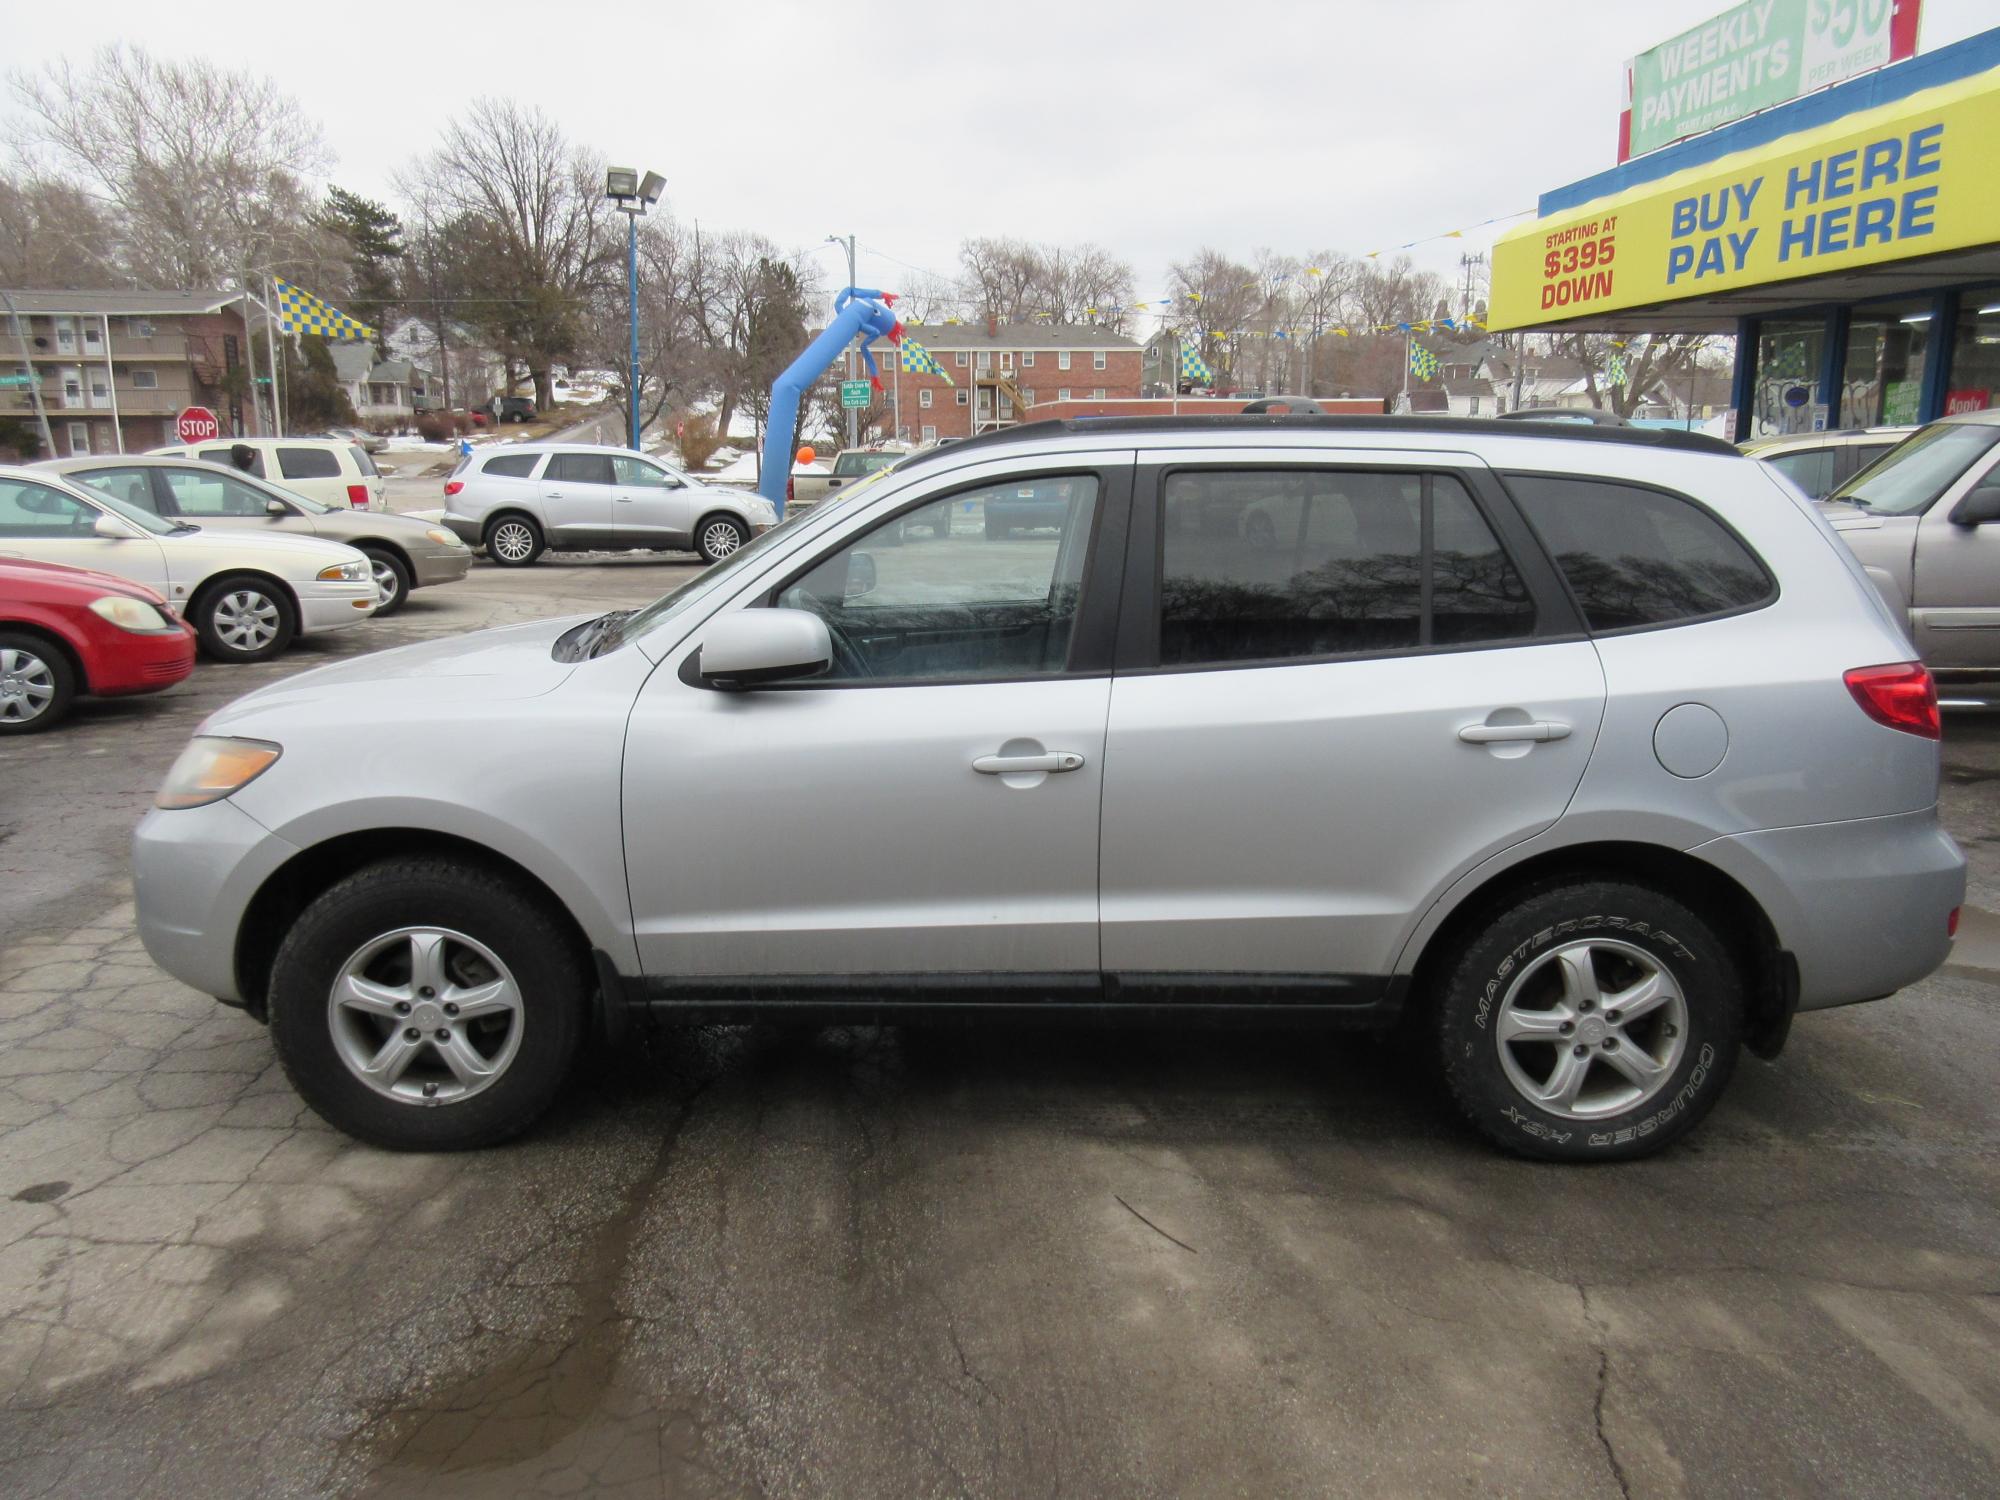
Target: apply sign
[(1911, 178)]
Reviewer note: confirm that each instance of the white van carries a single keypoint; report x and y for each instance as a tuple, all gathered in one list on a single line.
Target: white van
[(329, 470)]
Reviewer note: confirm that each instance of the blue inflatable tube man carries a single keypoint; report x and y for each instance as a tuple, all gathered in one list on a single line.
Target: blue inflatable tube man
[(858, 313)]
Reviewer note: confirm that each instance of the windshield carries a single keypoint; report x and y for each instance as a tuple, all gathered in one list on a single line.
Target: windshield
[(869, 462), (1908, 478)]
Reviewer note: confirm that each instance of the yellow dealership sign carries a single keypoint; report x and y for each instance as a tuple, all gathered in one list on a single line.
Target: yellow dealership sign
[(1911, 178)]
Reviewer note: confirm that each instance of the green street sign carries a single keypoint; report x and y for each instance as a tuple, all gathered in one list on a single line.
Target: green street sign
[(17, 380), (263, 380), (856, 393)]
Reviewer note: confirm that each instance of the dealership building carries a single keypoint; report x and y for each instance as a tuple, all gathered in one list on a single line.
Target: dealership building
[(1849, 238)]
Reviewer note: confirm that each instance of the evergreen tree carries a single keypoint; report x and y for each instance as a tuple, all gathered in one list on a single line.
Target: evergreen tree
[(374, 237), (314, 396)]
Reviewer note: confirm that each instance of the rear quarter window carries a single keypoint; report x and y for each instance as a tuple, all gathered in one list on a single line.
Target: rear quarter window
[(363, 460), (1637, 558), (511, 465)]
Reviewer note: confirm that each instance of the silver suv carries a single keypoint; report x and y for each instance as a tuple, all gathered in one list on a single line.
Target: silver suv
[(1589, 754), (521, 499)]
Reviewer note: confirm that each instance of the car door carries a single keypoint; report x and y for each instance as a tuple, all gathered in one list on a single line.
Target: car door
[(1318, 724), (649, 506), (922, 821), (1955, 587), (576, 499), (45, 524)]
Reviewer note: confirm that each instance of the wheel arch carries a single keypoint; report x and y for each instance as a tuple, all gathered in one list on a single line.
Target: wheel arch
[(70, 655), (214, 580), (1770, 974), (293, 885)]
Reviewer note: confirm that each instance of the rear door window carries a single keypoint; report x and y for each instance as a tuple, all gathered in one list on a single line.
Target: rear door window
[(309, 463), (580, 468), (1637, 557)]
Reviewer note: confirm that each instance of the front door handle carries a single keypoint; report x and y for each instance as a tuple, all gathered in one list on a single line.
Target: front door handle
[(1018, 765), (1497, 734)]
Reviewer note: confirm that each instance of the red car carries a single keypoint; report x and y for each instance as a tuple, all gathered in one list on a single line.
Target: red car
[(65, 631)]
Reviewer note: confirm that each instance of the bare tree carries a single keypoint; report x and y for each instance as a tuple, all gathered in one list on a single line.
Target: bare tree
[(1000, 276), (673, 358), (200, 166), (53, 234), (1214, 298)]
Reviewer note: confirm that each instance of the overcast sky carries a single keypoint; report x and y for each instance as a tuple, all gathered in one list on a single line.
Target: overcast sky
[(1150, 128)]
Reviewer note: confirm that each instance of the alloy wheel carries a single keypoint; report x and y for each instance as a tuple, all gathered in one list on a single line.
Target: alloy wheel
[(1591, 1029), (246, 620), (387, 585), (719, 539), (513, 541), (425, 1015), (27, 685)]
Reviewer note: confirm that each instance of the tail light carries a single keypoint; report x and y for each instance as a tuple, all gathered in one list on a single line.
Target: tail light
[(1902, 696), (791, 489), (452, 487), (357, 496), (1951, 923)]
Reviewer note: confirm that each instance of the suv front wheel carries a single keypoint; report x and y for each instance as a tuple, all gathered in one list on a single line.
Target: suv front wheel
[(1592, 1020)]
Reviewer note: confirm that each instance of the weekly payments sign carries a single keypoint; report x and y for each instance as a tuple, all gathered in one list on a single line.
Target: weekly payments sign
[(1910, 178), (1758, 54)]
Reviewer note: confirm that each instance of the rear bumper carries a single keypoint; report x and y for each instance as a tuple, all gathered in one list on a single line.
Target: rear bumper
[(333, 606), (1863, 905)]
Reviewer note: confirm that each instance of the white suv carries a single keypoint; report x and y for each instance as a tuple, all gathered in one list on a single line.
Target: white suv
[(331, 471), (519, 500)]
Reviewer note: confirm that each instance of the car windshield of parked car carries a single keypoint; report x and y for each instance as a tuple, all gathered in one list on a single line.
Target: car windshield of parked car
[(28, 509), (847, 465), (1908, 478)]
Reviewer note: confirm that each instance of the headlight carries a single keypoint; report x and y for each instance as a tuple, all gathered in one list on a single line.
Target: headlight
[(354, 572), (213, 767), (443, 538), (128, 613)]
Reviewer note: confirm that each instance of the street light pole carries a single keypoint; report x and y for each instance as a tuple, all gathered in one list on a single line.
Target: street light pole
[(632, 293), (632, 196)]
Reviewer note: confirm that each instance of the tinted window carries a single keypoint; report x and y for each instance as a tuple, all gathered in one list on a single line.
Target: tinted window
[(363, 460), (130, 485), (221, 456), (983, 583), (1810, 469), (35, 510), (309, 463), (1866, 454), (1639, 557), (199, 494), (509, 465), (581, 468), (1265, 565)]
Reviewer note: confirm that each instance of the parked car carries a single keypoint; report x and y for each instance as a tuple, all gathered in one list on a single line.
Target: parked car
[(522, 499), (1595, 415), (403, 552), (68, 632), (1821, 462), (512, 409), (1924, 519), (370, 443), (246, 596), (805, 490), (1587, 753), (337, 474)]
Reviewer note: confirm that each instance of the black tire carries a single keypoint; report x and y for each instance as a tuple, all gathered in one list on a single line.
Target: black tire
[(244, 617), (392, 580), (1512, 956), (501, 533), (710, 542), (37, 683), (429, 891)]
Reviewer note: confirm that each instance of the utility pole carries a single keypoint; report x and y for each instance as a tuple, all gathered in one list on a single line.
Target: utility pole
[(34, 380), (1469, 264), (853, 440)]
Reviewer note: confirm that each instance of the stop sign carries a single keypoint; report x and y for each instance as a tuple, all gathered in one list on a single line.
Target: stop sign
[(197, 425)]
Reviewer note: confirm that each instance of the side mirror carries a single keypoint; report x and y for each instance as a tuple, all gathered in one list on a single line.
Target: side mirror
[(1979, 507), (750, 646), (276, 508), (860, 576), (111, 529)]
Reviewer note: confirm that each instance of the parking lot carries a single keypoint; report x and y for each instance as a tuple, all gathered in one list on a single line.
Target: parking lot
[(913, 1262)]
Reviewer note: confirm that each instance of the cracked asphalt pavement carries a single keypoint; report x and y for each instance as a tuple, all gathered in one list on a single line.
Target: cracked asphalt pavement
[(915, 1262)]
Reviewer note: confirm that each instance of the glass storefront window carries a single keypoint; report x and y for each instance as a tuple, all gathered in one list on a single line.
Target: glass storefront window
[(1883, 377), (1975, 359), (1790, 356)]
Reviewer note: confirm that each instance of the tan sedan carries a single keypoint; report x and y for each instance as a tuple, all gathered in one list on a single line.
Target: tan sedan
[(404, 552)]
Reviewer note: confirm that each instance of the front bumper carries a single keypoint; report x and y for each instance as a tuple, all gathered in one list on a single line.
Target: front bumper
[(439, 565), (122, 661), (1863, 905), (194, 872), (333, 606), (465, 528)]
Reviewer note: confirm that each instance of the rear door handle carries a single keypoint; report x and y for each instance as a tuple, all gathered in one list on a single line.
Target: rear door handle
[(1016, 765), (1497, 734)]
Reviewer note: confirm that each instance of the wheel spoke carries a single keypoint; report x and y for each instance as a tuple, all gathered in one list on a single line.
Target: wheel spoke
[(1648, 994), (393, 1059), (427, 963), (1635, 1063), (466, 1065), (357, 993), (473, 1001), (1563, 1085), (1579, 976), (1533, 1025)]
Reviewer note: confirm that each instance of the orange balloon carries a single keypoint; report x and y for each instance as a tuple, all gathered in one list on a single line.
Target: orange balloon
[(807, 454)]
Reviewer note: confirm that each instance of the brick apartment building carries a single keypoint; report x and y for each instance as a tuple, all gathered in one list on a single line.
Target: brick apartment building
[(1000, 369), (116, 367)]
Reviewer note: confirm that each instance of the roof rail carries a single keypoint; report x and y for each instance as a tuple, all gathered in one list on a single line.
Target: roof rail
[(1582, 432)]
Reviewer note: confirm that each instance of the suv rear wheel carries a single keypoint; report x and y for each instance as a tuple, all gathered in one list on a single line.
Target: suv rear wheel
[(1593, 1020), (513, 541), (426, 1005)]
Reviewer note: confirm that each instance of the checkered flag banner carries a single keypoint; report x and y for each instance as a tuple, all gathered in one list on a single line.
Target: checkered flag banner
[(917, 360), (1423, 363), (1194, 369), (1617, 371), (299, 311)]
